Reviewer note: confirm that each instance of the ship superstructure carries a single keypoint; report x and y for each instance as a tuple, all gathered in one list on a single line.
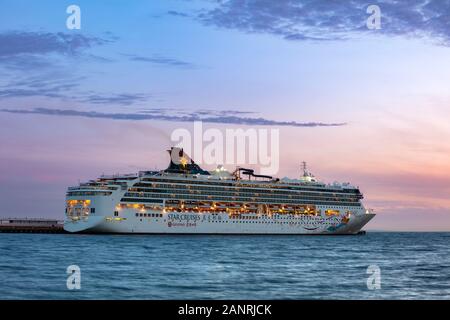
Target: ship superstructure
[(184, 198)]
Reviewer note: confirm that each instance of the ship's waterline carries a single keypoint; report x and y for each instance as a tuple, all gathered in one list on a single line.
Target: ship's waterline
[(187, 199)]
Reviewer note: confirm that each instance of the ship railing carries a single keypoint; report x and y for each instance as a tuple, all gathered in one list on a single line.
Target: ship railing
[(147, 173), (87, 187), (118, 176)]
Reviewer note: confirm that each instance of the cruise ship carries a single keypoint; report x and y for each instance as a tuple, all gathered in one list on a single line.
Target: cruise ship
[(185, 199)]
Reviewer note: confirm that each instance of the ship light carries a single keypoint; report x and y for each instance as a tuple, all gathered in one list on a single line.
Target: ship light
[(72, 202)]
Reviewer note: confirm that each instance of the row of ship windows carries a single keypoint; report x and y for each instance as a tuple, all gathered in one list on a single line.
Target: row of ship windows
[(240, 189), (156, 215), (309, 221), (88, 193), (92, 210), (174, 203), (285, 201), (233, 219), (276, 222), (249, 192), (95, 186), (269, 222), (149, 215), (277, 217), (167, 194), (252, 186), (149, 193)]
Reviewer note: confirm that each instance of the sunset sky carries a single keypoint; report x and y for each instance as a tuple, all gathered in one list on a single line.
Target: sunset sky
[(367, 106)]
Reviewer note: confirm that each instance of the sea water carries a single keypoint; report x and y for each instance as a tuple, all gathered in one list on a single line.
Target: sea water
[(378, 265)]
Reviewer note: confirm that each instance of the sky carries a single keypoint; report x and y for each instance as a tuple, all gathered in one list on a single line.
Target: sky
[(368, 106)]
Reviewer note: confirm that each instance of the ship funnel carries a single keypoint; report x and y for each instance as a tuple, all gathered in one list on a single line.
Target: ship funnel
[(180, 162)]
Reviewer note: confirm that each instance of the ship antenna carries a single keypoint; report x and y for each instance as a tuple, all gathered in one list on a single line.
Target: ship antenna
[(304, 168)]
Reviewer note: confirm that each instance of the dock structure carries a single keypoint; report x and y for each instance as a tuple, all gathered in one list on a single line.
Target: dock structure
[(31, 225)]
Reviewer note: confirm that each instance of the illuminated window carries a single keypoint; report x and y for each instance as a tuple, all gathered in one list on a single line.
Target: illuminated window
[(331, 212)]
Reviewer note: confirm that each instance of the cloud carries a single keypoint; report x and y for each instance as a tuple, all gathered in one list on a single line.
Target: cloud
[(12, 93), (35, 51), (27, 50), (160, 60), (122, 99), (26, 62), (20, 42), (177, 14), (39, 61), (43, 56), (321, 20), (118, 99), (50, 85), (198, 113), (164, 115), (54, 85)]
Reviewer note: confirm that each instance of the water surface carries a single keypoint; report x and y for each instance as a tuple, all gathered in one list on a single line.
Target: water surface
[(413, 266)]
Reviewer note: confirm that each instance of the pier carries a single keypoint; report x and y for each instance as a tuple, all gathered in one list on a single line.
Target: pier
[(31, 225)]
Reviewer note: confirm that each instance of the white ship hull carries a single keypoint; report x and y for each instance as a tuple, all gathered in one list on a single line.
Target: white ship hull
[(195, 223)]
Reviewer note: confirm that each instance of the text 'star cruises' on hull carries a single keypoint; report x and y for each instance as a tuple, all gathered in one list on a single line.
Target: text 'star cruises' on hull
[(187, 199)]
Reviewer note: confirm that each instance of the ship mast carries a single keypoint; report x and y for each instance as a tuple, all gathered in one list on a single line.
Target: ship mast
[(304, 168)]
